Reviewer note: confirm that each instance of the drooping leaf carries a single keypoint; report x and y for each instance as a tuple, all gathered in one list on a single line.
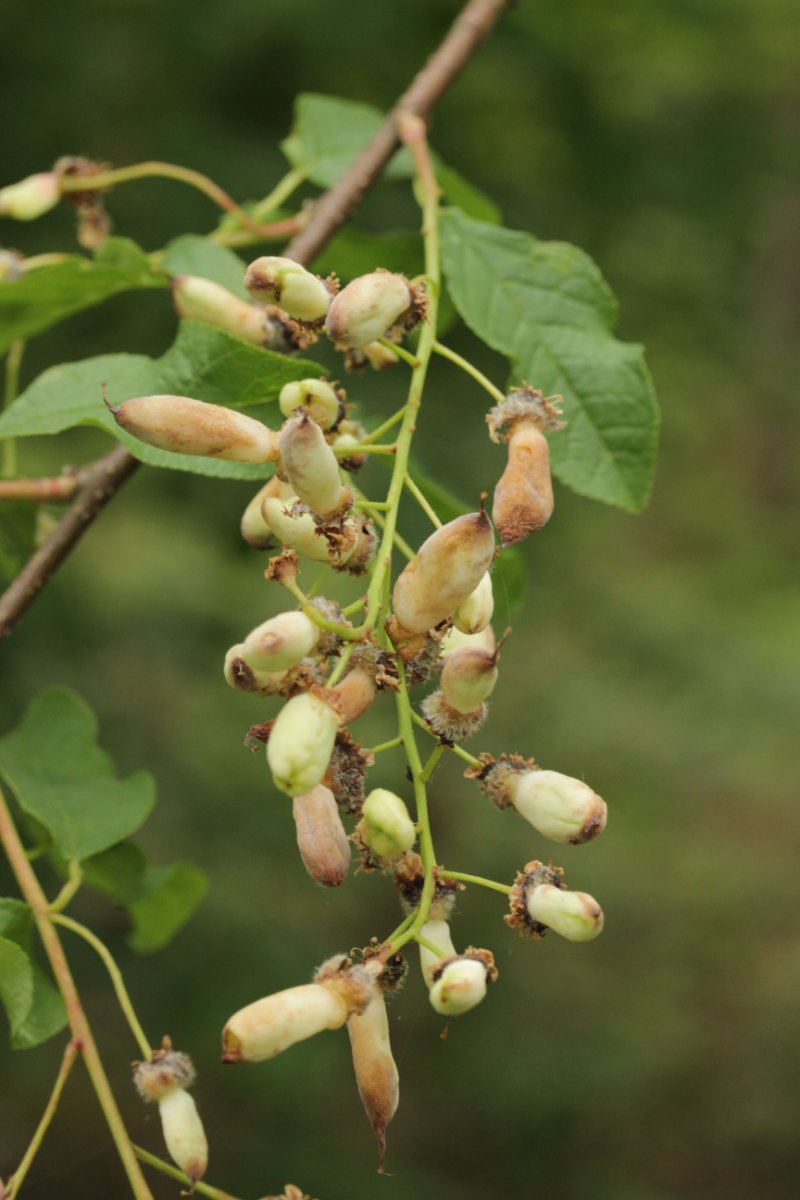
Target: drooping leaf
[(49, 294), (327, 135), (16, 983), (191, 254), (61, 777), (202, 362), (546, 306), (46, 1014)]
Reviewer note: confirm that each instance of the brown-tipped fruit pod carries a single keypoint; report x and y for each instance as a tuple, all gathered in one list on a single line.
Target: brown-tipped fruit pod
[(563, 809), (386, 826), (312, 468), (240, 676), (454, 640), (284, 282), (436, 932), (183, 1133), (316, 396), (575, 916), (444, 572), (254, 528), (280, 642), (377, 1077), (301, 743), (186, 426), (198, 299), (460, 985), (31, 197), (475, 613), (291, 521), (268, 1026), (468, 678), (364, 310), (523, 497), (321, 839)]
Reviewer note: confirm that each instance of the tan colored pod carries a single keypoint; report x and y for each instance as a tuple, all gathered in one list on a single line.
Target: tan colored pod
[(523, 497), (185, 426), (321, 839), (354, 694), (444, 572), (312, 468), (198, 299), (272, 1024), (468, 678), (183, 1133), (377, 1076)]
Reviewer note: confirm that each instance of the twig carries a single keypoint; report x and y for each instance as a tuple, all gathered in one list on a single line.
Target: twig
[(71, 1051), (58, 489), (158, 1164)]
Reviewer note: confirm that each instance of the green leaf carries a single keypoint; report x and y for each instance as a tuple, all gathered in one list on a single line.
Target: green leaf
[(17, 538), (62, 778), (195, 255), (546, 306), (327, 135), (462, 194), (160, 900), (202, 362), (48, 295), (16, 983), (46, 1014)]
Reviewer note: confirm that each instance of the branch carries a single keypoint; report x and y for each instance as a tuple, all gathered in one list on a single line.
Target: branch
[(469, 29)]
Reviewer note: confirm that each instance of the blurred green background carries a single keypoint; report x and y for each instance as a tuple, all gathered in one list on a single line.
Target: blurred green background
[(657, 656)]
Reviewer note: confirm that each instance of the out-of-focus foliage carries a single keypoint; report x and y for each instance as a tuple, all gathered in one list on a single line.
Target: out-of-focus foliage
[(658, 655)]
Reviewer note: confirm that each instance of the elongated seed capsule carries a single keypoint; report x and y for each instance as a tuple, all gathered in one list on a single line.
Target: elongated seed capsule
[(436, 932), (268, 1026), (312, 468), (468, 678), (321, 839), (282, 281), (575, 916), (317, 397), (183, 1133), (301, 743), (563, 809), (186, 426), (295, 526), (280, 642), (386, 826), (454, 640), (459, 987), (31, 197), (240, 676), (377, 1077), (523, 497), (198, 299), (364, 310), (444, 571), (254, 528), (475, 613)]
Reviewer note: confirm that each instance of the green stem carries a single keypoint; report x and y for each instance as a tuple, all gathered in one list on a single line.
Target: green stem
[(390, 745), (13, 366), (71, 1051), (405, 924), (423, 817), (70, 887), (423, 941), (400, 351), (479, 879), (457, 750), (430, 765), (353, 608), (338, 671), (364, 448), (283, 189), (374, 505), (158, 1164), (117, 981), (390, 423), (478, 376), (422, 502), (345, 632)]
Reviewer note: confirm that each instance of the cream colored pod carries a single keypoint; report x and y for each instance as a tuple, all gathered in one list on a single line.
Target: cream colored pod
[(436, 932), (240, 676), (316, 396), (254, 528), (386, 826), (185, 426), (363, 311), (575, 916), (350, 543), (455, 640), (460, 985), (31, 197), (321, 838), (301, 743), (563, 809), (377, 1077), (282, 281), (468, 678), (475, 613), (444, 572), (280, 642), (312, 467), (183, 1133), (198, 299)]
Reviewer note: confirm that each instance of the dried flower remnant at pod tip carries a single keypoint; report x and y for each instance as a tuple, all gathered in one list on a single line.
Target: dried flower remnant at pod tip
[(163, 1080), (444, 572), (370, 306), (185, 426), (312, 468), (286, 283), (198, 299), (523, 497), (564, 809)]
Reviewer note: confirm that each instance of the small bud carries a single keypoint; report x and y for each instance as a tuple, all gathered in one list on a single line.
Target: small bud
[(321, 839), (367, 308), (436, 932), (468, 678), (475, 613), (459, 987), (376, 1072), (184, 1134), (31, 197), (312, 468), (575, 916), (561, 808), (317, 396), (301, 743), (254, 528), (268, 1026), (185, 426), (444, 572), (385, 825), (282, 281), (454, 640), (349, 434), (280, 642), (198, 299), (240, 676)]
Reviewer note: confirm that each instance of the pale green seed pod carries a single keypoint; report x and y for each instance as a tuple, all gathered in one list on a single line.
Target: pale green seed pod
[(282, 281), (185, 426), (459, 987), (268, 1026), (363, 311), (31, 197), (301, 743), (183, 1133), (377, 1077), (198, 299), (468, 678), (437, 932), (454, 640), (312, 467), (475, 613), (316, 396), (565, 810), (575, 916), (242, 678), (321, 839), (254, 528), (300, 531), (444, 572), (280, 642), (386, 826)]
